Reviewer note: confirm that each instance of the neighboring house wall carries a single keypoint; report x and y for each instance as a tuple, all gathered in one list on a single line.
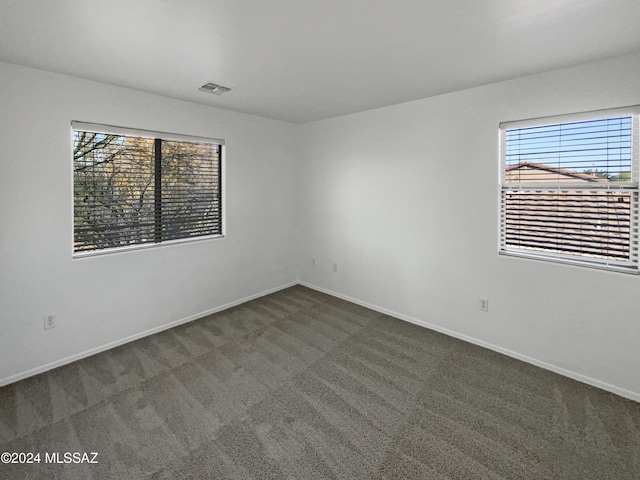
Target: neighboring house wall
[(593, 223)]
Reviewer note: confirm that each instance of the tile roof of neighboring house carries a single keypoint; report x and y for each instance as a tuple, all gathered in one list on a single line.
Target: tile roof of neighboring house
[(560, 171)]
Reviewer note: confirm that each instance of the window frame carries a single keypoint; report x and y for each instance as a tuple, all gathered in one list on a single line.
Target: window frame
[(631, 187), (147, 134)]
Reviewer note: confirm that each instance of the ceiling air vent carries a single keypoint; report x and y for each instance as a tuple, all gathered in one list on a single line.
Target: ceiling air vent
[(213, 88)]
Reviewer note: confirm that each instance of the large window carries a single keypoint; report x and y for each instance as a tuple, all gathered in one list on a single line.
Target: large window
[(569, 189), (133, 187)]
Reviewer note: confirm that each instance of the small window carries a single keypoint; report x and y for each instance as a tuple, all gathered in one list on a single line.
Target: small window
[(134, 188), (569, 189)]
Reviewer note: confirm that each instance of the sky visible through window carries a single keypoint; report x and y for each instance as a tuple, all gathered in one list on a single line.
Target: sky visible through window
[(600, 147)]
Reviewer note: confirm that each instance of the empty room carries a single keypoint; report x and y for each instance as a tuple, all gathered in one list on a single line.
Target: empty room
[(292, 239)]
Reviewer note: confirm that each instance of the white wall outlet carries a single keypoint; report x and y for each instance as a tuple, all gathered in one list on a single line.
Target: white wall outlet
[(484, 304), (313, 262), (335, 267), (50, 321)]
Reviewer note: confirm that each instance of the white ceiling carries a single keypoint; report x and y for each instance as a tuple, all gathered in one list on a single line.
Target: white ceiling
[(304, 60)]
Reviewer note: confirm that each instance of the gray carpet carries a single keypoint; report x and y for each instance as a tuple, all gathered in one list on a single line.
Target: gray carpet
[(301, 385)]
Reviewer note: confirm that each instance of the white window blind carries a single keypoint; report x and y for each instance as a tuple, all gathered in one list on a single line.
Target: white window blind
[(134, 187), (569, 189)]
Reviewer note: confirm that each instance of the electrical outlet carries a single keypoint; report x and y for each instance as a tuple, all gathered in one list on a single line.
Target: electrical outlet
[(50, 321), (335, 267), (484, 304), (313, 262)]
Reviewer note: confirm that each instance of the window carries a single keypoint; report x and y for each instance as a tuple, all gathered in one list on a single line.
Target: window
[(133, 187), (569, 189)]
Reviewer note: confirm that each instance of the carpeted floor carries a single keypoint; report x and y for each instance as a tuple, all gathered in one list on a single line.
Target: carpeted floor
[(301, 385)]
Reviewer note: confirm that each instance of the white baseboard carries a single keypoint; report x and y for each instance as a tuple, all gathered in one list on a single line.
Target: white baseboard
[(481, 343), (539, 363), (117, 343)]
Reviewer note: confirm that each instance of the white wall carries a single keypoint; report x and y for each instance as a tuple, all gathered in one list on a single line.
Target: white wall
[(105, 299), (405, 200)]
